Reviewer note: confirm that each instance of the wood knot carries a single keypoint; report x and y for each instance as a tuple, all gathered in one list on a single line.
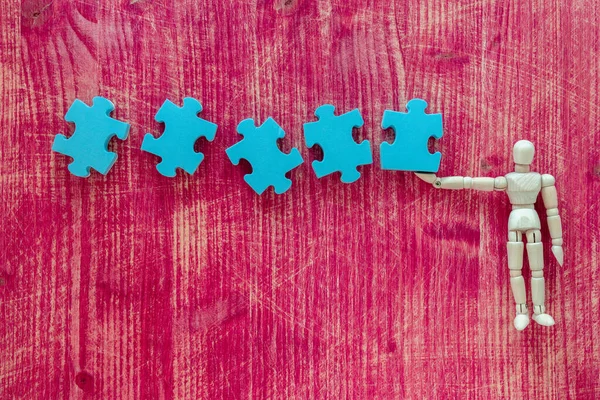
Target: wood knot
[(84, 381), (35, 13), (485, 165), (287, 7), (140, 5), (446, 61), (4, 278), (391, 346)]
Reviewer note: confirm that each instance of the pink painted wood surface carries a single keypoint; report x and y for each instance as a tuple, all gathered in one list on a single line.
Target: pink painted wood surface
[(138, 286)]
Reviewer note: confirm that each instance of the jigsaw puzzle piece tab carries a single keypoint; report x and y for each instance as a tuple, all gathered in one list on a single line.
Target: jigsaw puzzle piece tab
[(334, 135), (260, 182), (94, 128), (101, 163), (409, 151), (269, 164), (183, 128)]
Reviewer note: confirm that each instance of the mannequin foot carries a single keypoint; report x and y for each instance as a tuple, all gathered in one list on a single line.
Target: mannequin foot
[(544, 319), (521, 321)]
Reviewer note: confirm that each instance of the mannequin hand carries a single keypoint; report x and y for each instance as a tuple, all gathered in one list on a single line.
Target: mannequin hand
[(558, 253), (430, 178)]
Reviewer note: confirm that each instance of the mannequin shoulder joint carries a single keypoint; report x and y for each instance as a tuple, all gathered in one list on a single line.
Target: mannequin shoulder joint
[(548, 180)]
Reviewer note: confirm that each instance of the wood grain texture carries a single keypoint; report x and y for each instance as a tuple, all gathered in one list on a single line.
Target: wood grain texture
[(138, 286)]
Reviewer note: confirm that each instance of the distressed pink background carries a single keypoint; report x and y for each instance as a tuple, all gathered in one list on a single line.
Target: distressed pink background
[(135, 285)]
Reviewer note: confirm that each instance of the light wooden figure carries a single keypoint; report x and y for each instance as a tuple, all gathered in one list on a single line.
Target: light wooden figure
[(522, 187)]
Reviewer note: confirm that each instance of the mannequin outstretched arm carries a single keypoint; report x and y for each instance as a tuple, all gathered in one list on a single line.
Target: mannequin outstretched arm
[(464, 182)]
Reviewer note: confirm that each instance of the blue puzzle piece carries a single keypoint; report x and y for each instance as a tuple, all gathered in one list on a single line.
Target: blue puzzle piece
[(340, 151), (409, 152), (183, 128), (88, 146), (259, 148)]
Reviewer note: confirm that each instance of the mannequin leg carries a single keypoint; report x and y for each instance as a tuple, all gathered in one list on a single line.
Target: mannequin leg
[(517, 282), (536, 264)]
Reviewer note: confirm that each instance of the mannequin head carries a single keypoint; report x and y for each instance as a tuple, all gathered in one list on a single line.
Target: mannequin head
[(523, 152)]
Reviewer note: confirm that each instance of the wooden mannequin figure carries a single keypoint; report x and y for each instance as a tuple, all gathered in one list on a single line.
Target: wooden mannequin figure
[(522, 187)]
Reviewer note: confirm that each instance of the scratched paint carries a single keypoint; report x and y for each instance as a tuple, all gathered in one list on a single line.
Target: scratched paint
[(137, 286)]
